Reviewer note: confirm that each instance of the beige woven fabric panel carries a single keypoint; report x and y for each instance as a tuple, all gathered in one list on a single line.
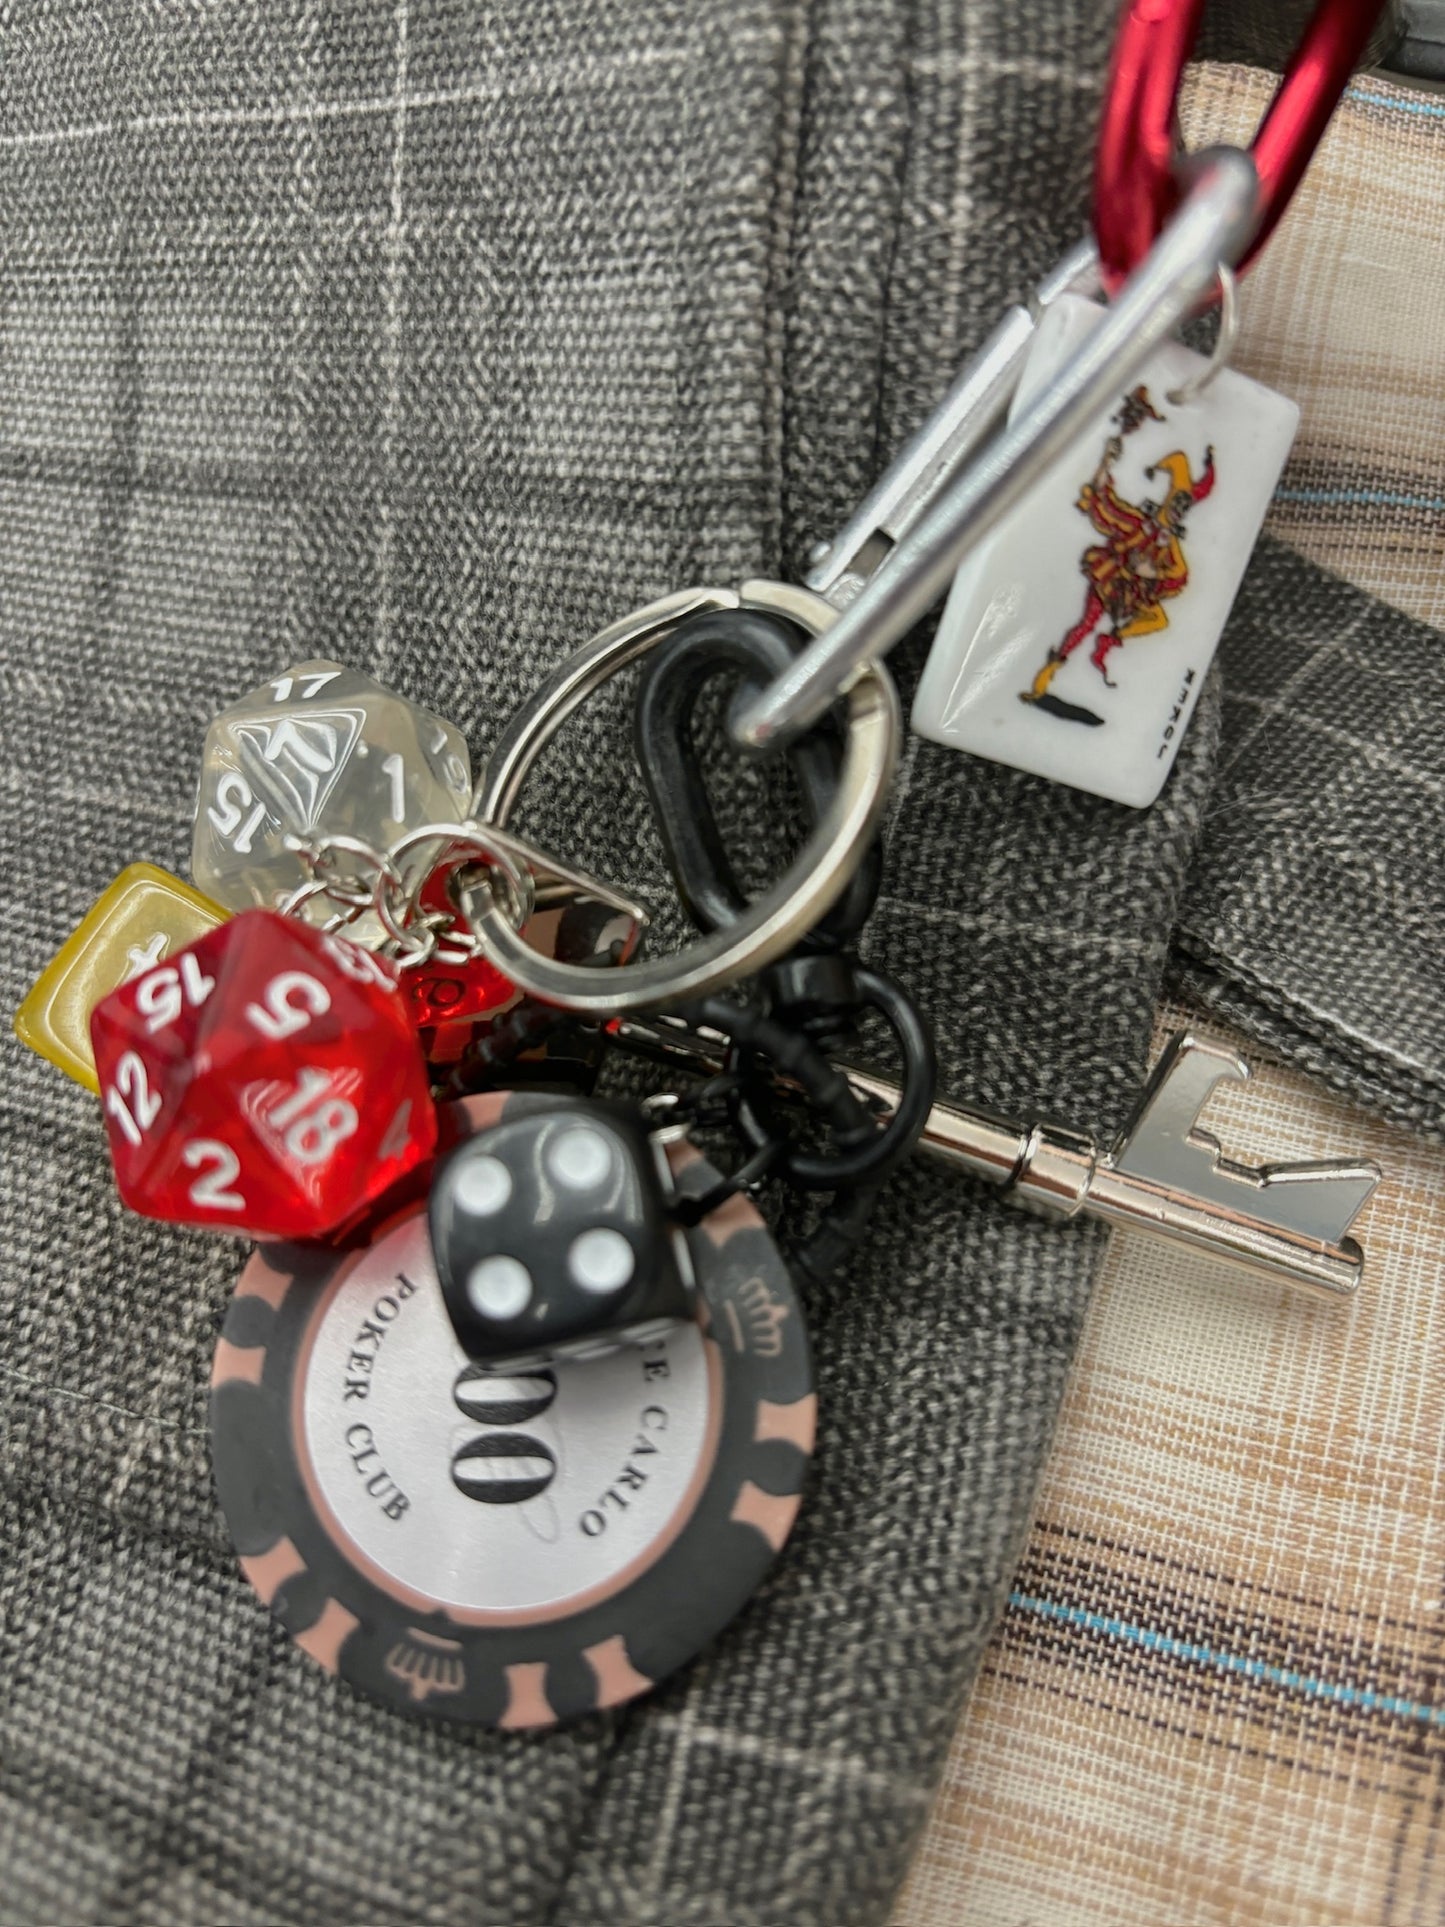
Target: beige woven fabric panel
[(1218, 1695), (1346, 313)]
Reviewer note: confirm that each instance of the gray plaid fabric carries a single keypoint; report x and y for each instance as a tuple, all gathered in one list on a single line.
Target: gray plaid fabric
[(1315, 917), (432, 337)]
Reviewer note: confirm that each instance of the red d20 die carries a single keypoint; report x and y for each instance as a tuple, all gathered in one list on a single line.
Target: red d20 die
[(264, 1080)]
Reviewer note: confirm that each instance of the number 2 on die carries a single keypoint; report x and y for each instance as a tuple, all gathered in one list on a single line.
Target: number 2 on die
[(266, 1080)]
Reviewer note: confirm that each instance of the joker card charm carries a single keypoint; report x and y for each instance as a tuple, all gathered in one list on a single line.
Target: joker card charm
[(1076, 639)]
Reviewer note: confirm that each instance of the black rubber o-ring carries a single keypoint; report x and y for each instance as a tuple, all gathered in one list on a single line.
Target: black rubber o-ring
[(871, 1160)]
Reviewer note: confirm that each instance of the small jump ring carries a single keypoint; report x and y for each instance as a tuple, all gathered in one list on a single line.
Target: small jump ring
[(1190, 391), (319, 861), (461, 843), (416, 945), (295, 901), (420, 942)]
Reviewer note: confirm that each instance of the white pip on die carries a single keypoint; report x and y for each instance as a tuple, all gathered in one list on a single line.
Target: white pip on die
[(1076, 638)]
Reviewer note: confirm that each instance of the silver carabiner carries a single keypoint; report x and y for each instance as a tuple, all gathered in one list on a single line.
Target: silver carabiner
[(839, 570), (898, 554)]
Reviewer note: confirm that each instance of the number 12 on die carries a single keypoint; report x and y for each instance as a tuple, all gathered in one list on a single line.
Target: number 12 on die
[(231, 1077)]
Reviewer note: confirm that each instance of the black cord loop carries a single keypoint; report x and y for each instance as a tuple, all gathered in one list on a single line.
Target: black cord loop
[(856, 1160), (672, 681), (806, 1006)]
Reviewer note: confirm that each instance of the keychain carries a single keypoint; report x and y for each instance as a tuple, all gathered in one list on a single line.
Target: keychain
[(512, 1407), (1168, 230)]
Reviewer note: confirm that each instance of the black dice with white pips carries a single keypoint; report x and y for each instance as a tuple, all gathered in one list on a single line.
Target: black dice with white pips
[(552, 1237)]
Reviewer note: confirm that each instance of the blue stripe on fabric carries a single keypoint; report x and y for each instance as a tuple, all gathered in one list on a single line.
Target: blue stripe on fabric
[(1387, 498), (1430, 109), (1150, 1640)]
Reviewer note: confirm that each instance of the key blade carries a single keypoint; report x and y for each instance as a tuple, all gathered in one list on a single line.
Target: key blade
[(1163, 1145), (1319, 1199), (1162, 1123), (1061, 1174)]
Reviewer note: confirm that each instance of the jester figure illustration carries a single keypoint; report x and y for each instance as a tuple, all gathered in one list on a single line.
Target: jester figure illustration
[(1139, 565)]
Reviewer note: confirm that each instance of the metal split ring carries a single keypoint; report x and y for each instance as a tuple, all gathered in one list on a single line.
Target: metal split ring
[(530, 878), (807, 889)]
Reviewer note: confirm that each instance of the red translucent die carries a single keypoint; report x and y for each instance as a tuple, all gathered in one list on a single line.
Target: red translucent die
[(452, 989), (264, 1080), (456, 988), (453, 984)]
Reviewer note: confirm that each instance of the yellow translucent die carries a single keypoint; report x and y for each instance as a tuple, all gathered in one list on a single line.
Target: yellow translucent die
[(143, 917)]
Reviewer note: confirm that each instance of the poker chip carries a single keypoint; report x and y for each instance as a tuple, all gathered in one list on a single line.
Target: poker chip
[(507, 1548)]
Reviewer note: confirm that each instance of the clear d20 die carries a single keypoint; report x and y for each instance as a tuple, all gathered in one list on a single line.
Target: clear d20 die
[(319, 751)]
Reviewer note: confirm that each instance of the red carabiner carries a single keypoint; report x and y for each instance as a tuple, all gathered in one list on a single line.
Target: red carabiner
[(1136, 182)]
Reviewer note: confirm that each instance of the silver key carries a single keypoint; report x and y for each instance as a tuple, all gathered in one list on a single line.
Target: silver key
[(1162, 1176), (1169, 1179)]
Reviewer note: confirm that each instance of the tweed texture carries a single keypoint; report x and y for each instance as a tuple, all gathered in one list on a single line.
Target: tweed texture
[(432, 337), (1315, 915), (1268, 35), (1345, 311), (1315, 919), (1214, 1699)]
